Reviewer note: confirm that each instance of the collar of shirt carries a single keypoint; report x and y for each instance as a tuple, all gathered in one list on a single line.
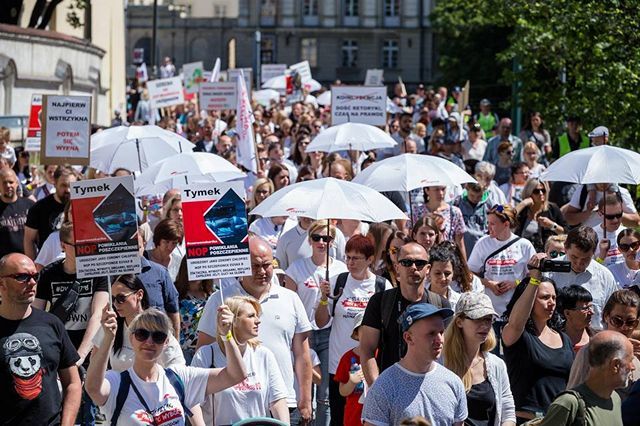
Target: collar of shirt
[(272, 293)]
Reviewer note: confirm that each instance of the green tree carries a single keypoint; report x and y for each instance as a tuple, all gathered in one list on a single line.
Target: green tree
[(576, 57)]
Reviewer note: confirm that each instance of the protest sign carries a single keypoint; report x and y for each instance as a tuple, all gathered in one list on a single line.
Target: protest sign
[(303, 69), (232, 76), (66, 130), (374, 77), (165, 92), (272, 70), (105, 227), (34, 128), (138, 55), (215, 230), (218, 96), (358, 104), (193, 74)]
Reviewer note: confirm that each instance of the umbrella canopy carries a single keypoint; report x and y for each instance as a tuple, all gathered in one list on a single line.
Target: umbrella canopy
[(329, 198), (185, 168), (353, 136), (600, 164), (325, 98), (134, 148), (280, 83), (409, 171), (264, 97)]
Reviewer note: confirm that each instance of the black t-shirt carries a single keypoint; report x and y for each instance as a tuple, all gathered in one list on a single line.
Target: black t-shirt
[(537, 373), (52, 284), (13, 216), (33, 350), (43, 215), (391, 346)]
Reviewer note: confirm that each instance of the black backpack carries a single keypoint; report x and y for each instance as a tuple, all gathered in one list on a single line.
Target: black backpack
[(341, 281)]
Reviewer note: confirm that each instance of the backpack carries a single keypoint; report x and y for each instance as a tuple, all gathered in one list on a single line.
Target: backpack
[(125, 384), (341, 281), (580, 418)]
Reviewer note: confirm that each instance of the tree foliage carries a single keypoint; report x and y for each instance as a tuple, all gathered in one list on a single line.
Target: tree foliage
[(575, 57)]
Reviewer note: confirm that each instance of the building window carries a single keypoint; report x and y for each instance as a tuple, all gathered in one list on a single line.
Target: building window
[(219, 11), (268, 49), (310, 8), (268, 11), (392, 13), (390, 54), (351, 8), (310, 51), (349, 53)]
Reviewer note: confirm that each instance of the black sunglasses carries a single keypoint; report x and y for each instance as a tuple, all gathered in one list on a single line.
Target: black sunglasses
[(24, 277), (318, 237), (625, 247), (121, 298), (620, 322), (613, 216), (407, 263), (157, 337), (539, 191)]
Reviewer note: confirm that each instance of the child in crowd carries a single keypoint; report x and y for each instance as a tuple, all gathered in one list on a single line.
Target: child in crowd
[(351, 378)]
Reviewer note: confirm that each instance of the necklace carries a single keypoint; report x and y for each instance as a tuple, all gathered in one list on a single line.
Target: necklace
[(476, 362)]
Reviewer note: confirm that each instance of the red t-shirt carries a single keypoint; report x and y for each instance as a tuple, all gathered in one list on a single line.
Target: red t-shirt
[(352, 408)]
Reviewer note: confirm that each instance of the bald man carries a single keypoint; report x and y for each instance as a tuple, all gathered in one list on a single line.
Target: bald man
[(13, 213), (284, 326), (35, 351)]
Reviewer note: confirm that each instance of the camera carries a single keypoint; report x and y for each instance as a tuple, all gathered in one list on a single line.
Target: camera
[(547, 265)]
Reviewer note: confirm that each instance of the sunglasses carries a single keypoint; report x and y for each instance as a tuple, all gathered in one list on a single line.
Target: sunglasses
[(498, 208), (633, 246), (157, 337), (556, 253), (407, 263), (121, 298), (325, 238), (539, 191), (24, 277), (619, 322), (613, 216)]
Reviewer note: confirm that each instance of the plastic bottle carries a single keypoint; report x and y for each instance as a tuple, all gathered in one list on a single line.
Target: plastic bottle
[(360, 386)]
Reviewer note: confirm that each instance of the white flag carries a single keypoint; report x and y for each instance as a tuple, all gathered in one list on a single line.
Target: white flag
[(245, 147), (215, 74)]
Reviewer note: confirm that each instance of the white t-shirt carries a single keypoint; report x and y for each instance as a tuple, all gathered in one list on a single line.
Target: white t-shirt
[(307, 276), (294, 245), (123, 360), (355, 297), (253, 396), (476, 285), (452, 295), (595, 219), (508, 265), (624, 276), (51, 250), (614, 255), (470, 152), (160, 396), (271, 232), (283, 316)]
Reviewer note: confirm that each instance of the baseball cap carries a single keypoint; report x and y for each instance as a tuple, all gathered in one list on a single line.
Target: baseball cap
[(485, 101), (599, 132), (475, 305), (357, 321), (454, 116), (421, 310)]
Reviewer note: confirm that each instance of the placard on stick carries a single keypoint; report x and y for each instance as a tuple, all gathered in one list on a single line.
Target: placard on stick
[(34, 129), (66, 130), (358, 104)]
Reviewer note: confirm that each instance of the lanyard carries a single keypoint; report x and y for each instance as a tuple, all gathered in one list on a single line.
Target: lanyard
[(144, 403)]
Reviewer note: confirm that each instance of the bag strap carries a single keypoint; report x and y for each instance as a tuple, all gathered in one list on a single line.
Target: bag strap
[(580, 418), (434, 299), (499, 250), (341, 281), (178, 385), (381, 283), (123, 392), (67, 301)]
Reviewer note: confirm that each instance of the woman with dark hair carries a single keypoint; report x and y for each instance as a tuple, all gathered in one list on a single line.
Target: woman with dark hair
[(534, 131), (513, 189), (537, 353), (130, 299), (504, 163), (299, 154), (426, 231), (305, 173), (627, 273), (575, 306), (440, 273), (21, 166), (379, 234), (193, 296), (393, 245), (279, 175)]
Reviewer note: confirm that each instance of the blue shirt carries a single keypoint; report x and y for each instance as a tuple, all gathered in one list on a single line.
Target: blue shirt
[(161, 292)]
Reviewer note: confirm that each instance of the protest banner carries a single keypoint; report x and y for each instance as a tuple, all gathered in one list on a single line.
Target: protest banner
[(272, 70), (303, 69), (105, 227), (32, 143), (358, 104), (138, 55), (165, 92), (374, 77), (193, 74), (215, 230), (66, 130), (232, 76), (218, 96)]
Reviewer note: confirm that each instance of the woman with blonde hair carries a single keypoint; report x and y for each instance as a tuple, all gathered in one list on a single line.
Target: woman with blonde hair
[(263, 392), (469, 340)]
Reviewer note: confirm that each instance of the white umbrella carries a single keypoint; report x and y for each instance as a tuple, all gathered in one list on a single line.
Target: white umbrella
[(352, 136), (185, 168), (600, 164), (280, 83), (410, 171), (325, 98), (329, 198), (134, 148), (264, 97)]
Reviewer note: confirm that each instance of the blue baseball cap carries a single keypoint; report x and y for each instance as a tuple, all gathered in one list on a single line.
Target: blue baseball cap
[(421, 310)]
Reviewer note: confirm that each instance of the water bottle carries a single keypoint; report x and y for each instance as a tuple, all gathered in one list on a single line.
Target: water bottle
[(360, 386)]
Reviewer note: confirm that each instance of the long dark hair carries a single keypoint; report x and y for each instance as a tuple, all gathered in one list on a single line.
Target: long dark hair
[(555, 322), (133, 283), (182, 282)]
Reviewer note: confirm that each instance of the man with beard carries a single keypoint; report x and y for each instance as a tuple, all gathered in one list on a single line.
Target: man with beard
[(13, 213), (44, 213), (34, 351)]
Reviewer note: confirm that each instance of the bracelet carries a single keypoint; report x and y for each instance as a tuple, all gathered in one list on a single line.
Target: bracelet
[(228, 337), (324, 302), (554, 227), (600, 260), (534, 281)]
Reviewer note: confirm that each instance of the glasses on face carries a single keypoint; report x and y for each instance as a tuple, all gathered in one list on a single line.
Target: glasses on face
[(626, 247), (24, 277), (556, 253), (619, 322), (508, 152), (121, 298), (539, 191), (613, 216), (157, 337), (523, 172), (354, 258), (408, 263), (588, 309), (325, 238)]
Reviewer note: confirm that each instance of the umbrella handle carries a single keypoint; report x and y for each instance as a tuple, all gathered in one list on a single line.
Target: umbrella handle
[(336, 297)]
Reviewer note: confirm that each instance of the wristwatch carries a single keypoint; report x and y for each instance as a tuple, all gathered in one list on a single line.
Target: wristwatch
[(554, 226)]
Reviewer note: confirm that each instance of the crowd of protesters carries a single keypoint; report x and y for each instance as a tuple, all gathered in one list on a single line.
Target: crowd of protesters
[(500, 302)]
